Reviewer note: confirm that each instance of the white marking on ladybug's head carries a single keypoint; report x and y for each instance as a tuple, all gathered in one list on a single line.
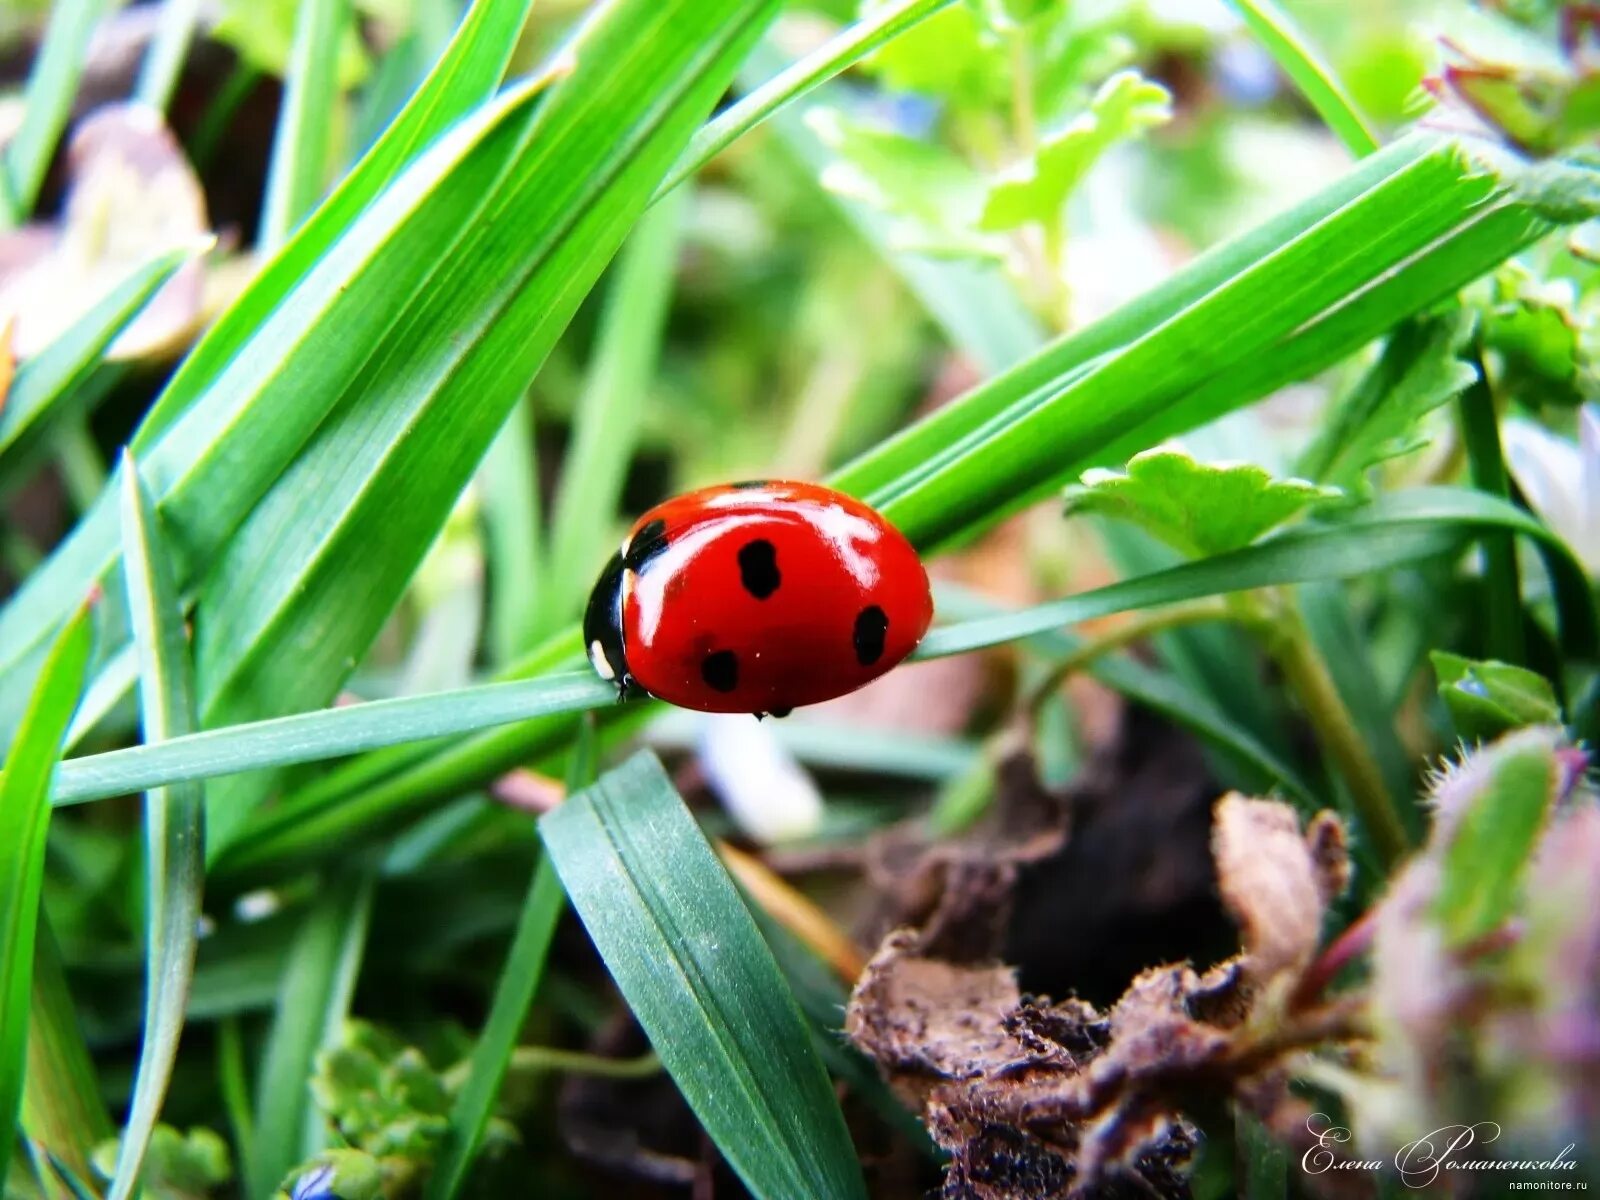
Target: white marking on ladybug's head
[(627, 540), (597, 656)]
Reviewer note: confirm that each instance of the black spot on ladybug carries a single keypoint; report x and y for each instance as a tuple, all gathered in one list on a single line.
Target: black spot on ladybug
[(871, 625), (720, 670), (780, 713), (649, 541), (747, 485), (758, 568)]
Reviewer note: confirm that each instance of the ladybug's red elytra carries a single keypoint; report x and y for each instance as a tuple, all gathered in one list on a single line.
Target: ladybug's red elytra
[(756, 597)]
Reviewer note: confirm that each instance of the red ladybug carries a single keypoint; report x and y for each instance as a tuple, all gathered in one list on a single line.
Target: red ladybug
[(756, 597)]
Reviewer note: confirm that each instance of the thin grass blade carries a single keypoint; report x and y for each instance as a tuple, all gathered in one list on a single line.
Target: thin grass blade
[(606, 426), (163, 60), (174, 828), (318, 980), (514, 538), (686, 954), (47, 103), (302, 145), (24, 820)]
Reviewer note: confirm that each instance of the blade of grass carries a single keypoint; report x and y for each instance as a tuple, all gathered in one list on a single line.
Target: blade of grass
[(47, 103), (513, 995), (1480, 430), (24, 820), (42, 392), (686, 954), (318, 981), (173, 820), (306, 583), (840, 52), (163, 60), (302, 145), (1316, 81), (463, 79), (62, 1112), (510, 484), (606, 425)]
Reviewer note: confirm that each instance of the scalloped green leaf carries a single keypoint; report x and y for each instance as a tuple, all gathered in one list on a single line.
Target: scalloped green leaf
[(1198, 508)]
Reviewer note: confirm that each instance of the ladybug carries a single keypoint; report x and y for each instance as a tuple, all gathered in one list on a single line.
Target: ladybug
[(756, 597)]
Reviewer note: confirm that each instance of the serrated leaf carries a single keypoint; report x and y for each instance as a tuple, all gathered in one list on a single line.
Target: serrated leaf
[(1126, 105), (1198, 508), (1536, 335), (691, 963), (1488, 698), (1492, 805), (1420, 369)]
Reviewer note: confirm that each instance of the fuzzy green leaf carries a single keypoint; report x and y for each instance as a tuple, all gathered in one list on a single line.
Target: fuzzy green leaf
[(1198, 508), (1489, 698), (1125, 106)]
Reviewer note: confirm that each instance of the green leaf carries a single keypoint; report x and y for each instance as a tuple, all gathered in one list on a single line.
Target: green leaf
[(319, 978), (1487, 698), (44, 388), (1198, 508), (1420, 369), (686, 954), (173, 820), (513, 535), (47, 103), (1314, 78), (307, 581), (302, 145), (1537, 337), (24, 819), (262, 33), (949, 55), (606, 424), (877, 27), (1125, 106), (1491, 808)]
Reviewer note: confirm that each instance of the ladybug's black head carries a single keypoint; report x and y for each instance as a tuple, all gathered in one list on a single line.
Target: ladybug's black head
[(602, 626)]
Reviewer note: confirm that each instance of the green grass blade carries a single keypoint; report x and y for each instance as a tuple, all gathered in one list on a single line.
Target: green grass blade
[(318, 981), (45, 385), (173, 820), (306, 583), (686, 954), (163, 61), (62, 1112), (47, 102), (800, 78), (1480, 431), (606, 425), (329, 733), (303, 143), (514, 537), (1290, 49), (24, 820)]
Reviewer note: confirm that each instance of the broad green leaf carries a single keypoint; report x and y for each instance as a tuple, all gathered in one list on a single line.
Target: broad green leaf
[(1487, 699), (1198, 508), (686, 954), (1125, 106), (173, 821), (44, 388), (606, 425), (513, 994), (1316, 81), (47, 103), (24, 818), (307, 581), (467, 75), (1491, 807), (302, 146), (1420, 369), (319, 978)]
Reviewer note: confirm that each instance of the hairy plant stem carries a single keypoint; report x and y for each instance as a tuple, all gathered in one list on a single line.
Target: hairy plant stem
[(1290, 645)]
